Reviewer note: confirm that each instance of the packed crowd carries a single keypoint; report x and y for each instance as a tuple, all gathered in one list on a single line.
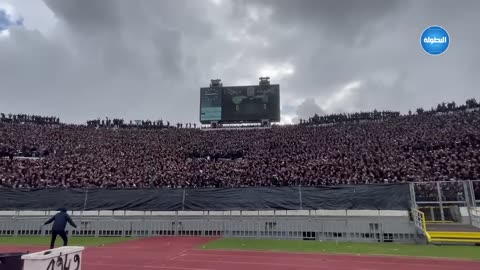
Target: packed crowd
[(422, 147)]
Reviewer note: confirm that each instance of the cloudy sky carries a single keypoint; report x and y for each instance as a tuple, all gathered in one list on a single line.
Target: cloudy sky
[(146, 59)]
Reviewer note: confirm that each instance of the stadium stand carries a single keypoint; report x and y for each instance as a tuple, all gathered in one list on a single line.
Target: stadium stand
[(412, 148), (437, 151)]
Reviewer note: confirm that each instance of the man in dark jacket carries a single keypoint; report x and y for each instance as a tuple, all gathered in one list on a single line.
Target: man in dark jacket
[(59, 223)]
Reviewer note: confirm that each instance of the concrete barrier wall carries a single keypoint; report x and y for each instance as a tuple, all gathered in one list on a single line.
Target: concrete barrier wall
[(339, 228), (338, 225), (465, 215)]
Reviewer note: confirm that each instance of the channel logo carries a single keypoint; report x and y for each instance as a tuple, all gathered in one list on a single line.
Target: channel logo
[(435, 40)]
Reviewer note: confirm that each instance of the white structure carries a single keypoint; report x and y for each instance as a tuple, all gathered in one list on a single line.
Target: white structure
[(54, 259)]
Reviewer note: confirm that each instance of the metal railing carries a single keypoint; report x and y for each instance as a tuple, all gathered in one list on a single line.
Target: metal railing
[(475, 187), (475, 217), (359, 229), (441, 201), (420, 223)]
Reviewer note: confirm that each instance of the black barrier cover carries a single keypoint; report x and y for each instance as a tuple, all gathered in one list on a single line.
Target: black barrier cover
[(11, 261), (359, 197), (382, 197), (280, 198)]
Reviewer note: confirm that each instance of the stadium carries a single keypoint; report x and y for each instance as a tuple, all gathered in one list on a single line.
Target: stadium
[(146, 142), (351, 179)]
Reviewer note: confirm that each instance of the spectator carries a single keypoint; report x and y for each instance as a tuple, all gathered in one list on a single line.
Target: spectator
[(421, 147)]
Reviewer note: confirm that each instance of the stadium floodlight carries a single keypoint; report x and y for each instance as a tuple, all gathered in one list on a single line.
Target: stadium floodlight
[(216, 83), (264, 80)]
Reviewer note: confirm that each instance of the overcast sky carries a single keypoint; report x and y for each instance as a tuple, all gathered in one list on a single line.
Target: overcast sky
[(147, 59)]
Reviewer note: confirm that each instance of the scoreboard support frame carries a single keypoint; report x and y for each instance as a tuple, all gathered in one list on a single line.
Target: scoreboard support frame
[(266, 123)]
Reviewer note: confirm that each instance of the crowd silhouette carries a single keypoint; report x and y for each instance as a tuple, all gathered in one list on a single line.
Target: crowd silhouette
[(25, 118), (350, 117), (358, 117), (137, 124)]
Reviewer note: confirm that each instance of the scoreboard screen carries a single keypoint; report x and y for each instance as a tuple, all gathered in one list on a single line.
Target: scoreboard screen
[(237, 104), (210, 104)]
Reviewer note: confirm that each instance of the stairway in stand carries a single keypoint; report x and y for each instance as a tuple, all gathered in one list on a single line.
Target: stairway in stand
[(453, 233)]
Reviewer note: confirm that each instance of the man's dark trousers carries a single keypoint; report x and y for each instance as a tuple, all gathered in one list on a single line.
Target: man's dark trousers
[(62, 234)]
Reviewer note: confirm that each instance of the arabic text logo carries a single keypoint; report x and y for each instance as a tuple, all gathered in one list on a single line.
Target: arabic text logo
[(435, 40)]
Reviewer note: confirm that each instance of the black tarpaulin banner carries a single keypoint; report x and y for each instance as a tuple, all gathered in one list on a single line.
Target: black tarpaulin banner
[(271, 198), (358, 197), (371, 197)]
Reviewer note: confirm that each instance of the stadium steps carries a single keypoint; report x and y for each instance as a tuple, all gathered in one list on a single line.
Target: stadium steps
[(453, 234)]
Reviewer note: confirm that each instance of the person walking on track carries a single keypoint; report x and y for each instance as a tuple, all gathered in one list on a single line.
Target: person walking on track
[(59, 223)]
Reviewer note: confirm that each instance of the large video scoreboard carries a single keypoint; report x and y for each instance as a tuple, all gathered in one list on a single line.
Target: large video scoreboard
[(240, 104)]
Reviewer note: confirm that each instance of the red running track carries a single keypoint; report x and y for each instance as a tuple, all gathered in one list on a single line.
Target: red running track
[(178, 253)]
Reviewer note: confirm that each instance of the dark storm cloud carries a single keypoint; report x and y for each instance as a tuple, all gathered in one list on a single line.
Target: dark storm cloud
[(88, 15), (147, 59), (348, 22)]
